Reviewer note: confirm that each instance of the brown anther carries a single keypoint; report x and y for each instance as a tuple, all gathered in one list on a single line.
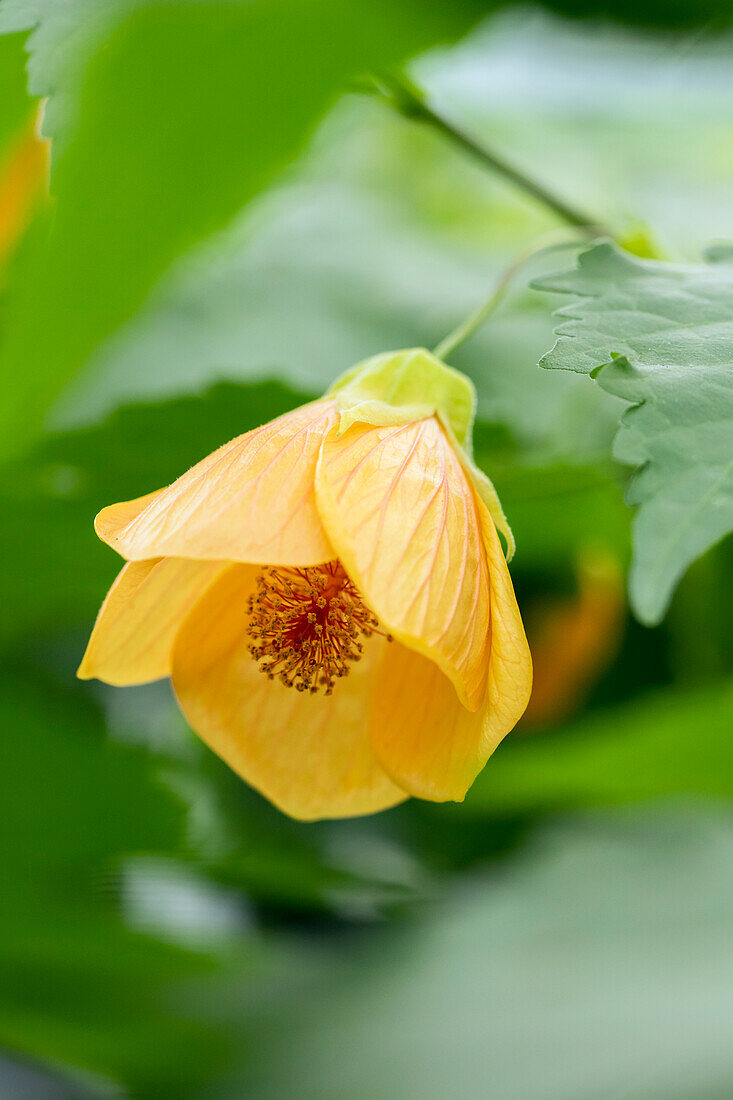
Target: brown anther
[(307, 625)]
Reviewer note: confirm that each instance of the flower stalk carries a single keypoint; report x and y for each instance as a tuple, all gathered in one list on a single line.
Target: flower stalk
[(411, 102), (481, 314)]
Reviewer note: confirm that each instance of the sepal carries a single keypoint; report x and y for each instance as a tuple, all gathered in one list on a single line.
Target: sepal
[(398, 387)]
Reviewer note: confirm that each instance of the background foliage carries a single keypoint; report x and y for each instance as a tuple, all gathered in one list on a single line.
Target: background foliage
[(231, 227)]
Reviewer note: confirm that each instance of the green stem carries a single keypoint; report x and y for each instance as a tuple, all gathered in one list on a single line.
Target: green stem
[(411, 102), (475, 320)]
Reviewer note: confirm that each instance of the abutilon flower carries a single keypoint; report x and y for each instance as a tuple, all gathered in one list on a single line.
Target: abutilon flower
[(329, 596)]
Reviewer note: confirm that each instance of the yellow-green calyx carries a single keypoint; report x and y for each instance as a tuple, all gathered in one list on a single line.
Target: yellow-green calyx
[(399, 386)]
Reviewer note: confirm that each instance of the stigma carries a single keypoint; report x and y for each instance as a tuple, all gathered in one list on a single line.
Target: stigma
[(308, 625)]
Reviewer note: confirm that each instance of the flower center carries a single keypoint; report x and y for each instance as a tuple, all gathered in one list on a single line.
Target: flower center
[(306, 625)]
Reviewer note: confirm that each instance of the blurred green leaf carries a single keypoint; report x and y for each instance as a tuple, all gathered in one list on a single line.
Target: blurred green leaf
[(596, 964), (720, 252), (95, 798), (15, 103), (166, 145), (673, 13), (329, 272), (334, 871), (385, 236), (78, 986), (27, 1078), (672, 743), (63, 32), (660, 336), (558, 511)]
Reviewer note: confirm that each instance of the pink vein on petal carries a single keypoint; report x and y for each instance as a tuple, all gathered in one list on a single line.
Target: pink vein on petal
[(347, 477), (388, 495), (199, 488)]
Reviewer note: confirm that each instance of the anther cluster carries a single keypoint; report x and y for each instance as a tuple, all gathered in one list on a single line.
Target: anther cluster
[(307, 624)]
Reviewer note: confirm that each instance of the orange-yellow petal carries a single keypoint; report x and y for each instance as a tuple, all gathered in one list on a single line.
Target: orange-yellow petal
[(133, 636), (424, 738), (309, 754), (401, 514), (510, 667), (252, 500)]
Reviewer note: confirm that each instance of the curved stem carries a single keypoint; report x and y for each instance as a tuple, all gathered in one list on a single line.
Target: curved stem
[(411, 102), (475, 320)]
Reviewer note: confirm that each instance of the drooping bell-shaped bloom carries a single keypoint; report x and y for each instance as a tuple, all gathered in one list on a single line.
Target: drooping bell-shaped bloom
[(329, 596)]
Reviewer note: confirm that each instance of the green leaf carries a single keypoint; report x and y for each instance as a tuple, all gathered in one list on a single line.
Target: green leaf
[(63, 34), (164, 146), (659, 336), (667, 744)]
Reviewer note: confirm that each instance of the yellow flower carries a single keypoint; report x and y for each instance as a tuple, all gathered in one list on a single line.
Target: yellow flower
[(329, 596)]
